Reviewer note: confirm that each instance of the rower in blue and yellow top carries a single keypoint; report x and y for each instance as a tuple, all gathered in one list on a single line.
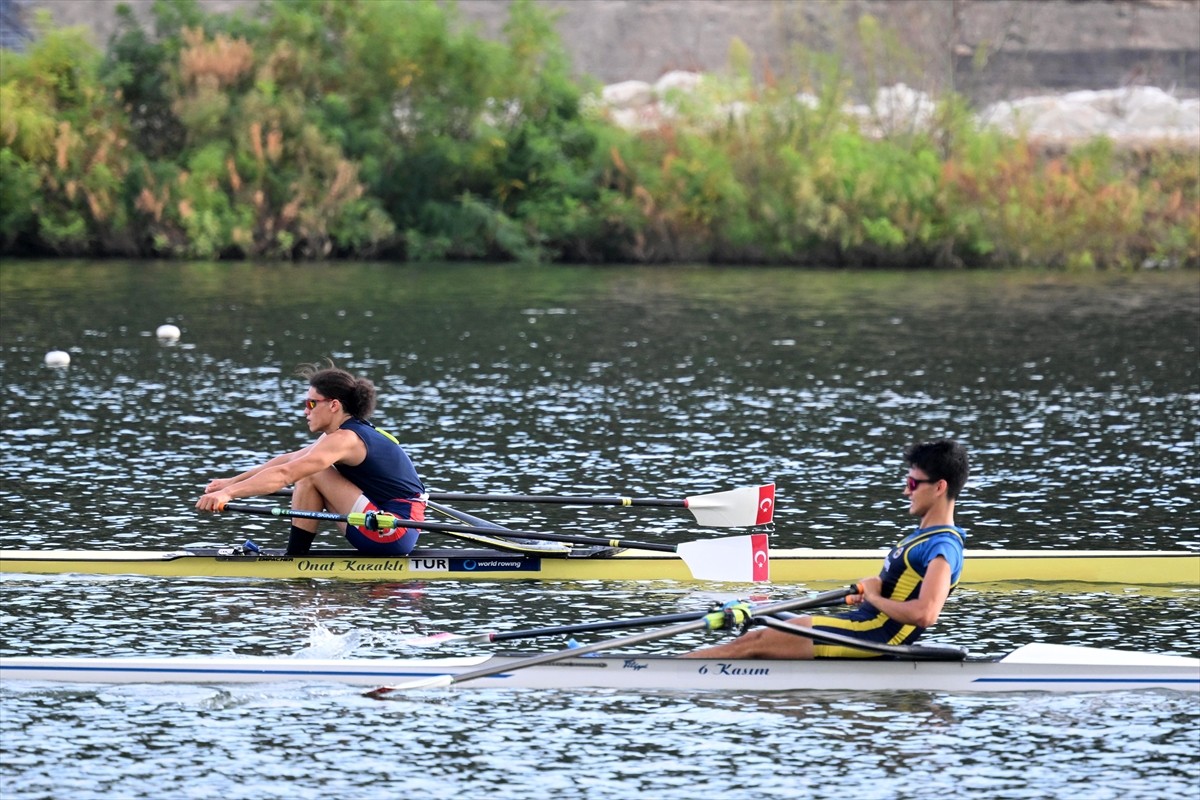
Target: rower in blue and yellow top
[(907, 596), (352, 467)]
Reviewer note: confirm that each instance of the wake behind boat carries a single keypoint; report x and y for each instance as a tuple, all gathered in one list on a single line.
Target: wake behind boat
[(1032, 667), (801, 565)]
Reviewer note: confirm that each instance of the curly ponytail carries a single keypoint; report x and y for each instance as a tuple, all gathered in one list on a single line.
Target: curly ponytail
[(357, 395)]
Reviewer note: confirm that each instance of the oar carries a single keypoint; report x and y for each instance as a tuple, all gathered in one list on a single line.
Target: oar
[(529, 633), (711, 621), (488, 637), (732, 558), (736, 508)]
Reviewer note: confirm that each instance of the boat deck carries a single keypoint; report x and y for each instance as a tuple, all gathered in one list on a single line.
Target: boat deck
[(1129, 568)]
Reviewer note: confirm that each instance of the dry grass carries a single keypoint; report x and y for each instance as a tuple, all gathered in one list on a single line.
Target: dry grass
[(221, 60)]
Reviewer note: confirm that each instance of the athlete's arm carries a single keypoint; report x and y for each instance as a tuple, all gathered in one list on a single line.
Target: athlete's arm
[(217, 484), (285, 470)]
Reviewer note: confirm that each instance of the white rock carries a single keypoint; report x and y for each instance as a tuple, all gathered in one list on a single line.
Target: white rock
[(629, 94), (677, 79), (167, 332), (636, 119), (1131, 113)]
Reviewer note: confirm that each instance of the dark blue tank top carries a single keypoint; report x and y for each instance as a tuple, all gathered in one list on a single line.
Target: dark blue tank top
[(386, 476), (903, 572)]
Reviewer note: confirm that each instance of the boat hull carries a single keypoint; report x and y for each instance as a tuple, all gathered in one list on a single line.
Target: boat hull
[(1058, 669), (1130, 568)]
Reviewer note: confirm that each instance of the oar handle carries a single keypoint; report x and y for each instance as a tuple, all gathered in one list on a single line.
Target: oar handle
[(372, 520)]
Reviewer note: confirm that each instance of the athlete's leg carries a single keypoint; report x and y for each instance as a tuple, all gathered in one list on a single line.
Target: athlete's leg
[(762, 643), (327, 490)]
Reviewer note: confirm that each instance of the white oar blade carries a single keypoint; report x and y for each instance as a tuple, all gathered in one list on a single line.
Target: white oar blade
[(437, 639), (737, 508), (740, 559)]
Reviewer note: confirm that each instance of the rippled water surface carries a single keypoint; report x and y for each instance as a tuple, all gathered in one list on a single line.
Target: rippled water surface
[(1076, 395)]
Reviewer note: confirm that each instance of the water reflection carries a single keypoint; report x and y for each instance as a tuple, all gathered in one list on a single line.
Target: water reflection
[(604, 744)]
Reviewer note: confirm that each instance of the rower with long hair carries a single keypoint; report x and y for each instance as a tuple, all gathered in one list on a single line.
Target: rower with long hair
[(352, 467)]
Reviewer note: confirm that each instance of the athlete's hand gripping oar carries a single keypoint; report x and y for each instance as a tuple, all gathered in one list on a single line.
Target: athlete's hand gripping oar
[(733, 614), (742, 559), (736, 508)]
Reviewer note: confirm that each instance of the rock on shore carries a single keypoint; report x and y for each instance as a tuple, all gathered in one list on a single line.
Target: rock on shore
[(1134, 115)]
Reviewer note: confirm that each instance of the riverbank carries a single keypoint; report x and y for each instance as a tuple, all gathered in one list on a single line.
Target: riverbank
[(220, 140)]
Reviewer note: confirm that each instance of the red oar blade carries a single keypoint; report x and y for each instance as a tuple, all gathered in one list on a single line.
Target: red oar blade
[(436, 682), (737, 508)]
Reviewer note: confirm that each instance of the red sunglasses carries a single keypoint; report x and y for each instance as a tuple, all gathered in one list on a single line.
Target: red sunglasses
[(913, 483)]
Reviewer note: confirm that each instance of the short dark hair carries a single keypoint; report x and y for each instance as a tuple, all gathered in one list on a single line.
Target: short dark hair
[(942, 460), (357, 395)]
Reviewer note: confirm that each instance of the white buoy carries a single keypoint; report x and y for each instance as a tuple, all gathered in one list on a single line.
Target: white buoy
[(167, 332), (58, 358)]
